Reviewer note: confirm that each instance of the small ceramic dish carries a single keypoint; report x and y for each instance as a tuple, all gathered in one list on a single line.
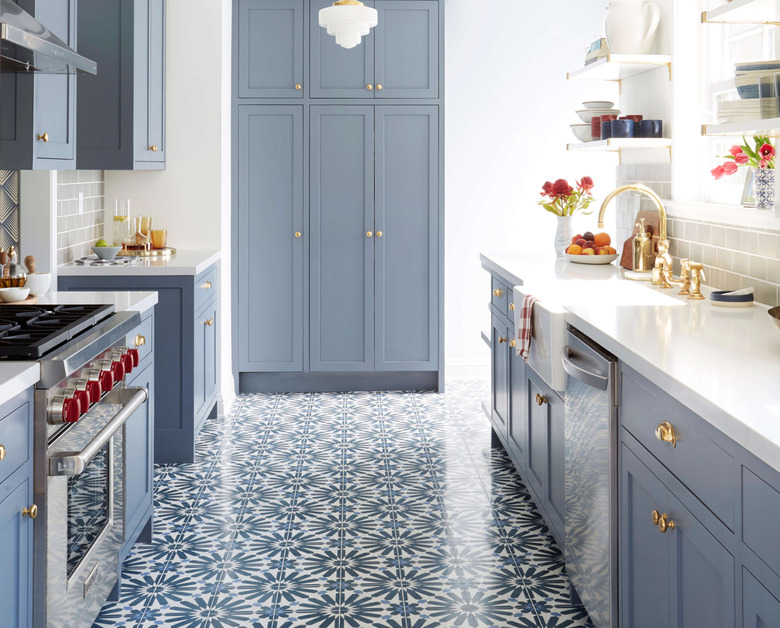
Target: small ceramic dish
[(598, 104), (13, 295), (723, 298), (591, 259), (106, 252), (582, 132), (587, 115), (38, 283), (774, 313)]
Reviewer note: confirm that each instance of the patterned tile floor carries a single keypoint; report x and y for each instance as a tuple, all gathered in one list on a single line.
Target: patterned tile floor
[(354, 509)]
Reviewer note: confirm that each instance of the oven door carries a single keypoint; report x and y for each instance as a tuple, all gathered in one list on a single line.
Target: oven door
[(85, 510)]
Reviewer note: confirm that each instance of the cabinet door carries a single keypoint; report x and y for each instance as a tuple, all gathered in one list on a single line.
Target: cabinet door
[(517, 436), (16, 544), (270, 213), (337, 72), (139, 458), (499, 377), (149, 94), (407, 239), (342, 253), (55, 94), (760, 609), (205, 358), (270, 48), (538, 438), (407, 49)]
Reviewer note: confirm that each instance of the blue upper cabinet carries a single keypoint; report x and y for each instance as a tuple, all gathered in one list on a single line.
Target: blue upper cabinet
[(38, 129), (398, 59), (342, 238), (406, 240), (127, 40), (271, 235), (270, 48)]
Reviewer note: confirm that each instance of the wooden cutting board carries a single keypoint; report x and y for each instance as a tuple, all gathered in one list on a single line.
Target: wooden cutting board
[(652, 219), (31, 300)]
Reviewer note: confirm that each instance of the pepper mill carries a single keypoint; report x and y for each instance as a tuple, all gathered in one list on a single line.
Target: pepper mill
[(29, 262), (697, 277)]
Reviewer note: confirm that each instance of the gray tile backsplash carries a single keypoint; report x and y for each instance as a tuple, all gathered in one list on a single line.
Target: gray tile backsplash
[(734, 256), (80, 223)]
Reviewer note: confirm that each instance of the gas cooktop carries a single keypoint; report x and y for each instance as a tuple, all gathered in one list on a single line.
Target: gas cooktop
[(30, 332)]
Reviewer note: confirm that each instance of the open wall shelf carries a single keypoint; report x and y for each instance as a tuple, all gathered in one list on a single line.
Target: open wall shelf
[(619, 67), (769, 127), (621, 145), (744, 12)]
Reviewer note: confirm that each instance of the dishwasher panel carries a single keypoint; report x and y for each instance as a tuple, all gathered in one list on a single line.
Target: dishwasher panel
[(591, 477)]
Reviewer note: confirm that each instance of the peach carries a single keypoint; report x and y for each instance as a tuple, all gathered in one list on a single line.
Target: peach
[(588, 252), (588, 245), (575, 238), (574, 249), (604, 250), (602, 239), (581, 242)]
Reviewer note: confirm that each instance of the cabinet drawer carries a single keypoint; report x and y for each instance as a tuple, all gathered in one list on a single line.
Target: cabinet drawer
[(142, 338), (699, 462), (206, 287), (760, 514), (15, 437), (499, 295)]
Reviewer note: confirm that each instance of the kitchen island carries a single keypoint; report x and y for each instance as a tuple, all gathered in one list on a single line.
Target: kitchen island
[(696, 440)]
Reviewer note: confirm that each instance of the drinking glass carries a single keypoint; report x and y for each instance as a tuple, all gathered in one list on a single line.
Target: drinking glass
[(145, 225), (159, 238), (121, 222)]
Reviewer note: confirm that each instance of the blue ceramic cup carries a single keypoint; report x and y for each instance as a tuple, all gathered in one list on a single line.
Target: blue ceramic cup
[(606, 129), (651, 128), (623, 128)]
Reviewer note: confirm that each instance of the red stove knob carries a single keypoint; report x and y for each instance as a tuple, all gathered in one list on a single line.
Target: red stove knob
[(133, 353), (83, 397), (127, 362), (71, 410), (118, 370), (94, 389), (106, 380)]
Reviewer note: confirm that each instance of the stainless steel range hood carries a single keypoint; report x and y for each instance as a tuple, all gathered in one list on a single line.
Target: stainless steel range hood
[(26, 44)]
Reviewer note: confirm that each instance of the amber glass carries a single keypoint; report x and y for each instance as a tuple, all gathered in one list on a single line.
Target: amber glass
[(159, 238), (145, 225)]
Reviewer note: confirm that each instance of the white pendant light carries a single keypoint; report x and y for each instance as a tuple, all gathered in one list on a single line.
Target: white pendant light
[(348, 21)]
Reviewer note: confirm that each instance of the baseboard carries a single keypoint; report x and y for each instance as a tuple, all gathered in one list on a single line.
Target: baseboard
[(337, 382)]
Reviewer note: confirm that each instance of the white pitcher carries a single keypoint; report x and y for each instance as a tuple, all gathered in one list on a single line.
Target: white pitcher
[(631, 26)]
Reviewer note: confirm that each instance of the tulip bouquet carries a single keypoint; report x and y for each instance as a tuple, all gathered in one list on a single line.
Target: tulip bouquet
[(762, 157), (562, 199)]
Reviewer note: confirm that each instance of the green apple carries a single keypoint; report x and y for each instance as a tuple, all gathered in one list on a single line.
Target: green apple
[(101, 243)]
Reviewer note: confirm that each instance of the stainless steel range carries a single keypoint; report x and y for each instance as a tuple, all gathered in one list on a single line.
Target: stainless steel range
[(81, 406)]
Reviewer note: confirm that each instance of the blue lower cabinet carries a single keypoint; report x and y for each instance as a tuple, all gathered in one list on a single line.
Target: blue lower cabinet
[(760, 609), (517, 433), (205, 361), (500, 378), (674, 572)]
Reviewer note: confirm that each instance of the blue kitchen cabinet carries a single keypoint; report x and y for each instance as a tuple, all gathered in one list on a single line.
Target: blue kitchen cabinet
[(16, 498), (271, 236), (271, 48), (181, 302), (406, 242), (517, 432), (500, 378), (760, 609), (206, 325), (342, 238), (399, 58), (127, 40), (38, 128)]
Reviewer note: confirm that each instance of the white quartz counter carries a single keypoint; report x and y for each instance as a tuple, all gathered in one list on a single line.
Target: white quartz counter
[(723, 363), (16, 377), (182, 263)]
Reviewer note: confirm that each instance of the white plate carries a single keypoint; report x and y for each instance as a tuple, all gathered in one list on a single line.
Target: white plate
[(598, 104), (591, 259)]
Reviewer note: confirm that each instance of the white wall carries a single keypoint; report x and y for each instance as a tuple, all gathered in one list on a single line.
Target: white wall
[(508, 107), (191, 197)]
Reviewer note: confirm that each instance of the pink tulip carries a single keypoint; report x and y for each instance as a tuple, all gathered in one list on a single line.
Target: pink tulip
[(718, 172), (735, 150), (730, 168), (765, 163), (741, 158)]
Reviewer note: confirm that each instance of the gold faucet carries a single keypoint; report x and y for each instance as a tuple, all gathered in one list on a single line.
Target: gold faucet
[(697, 278), (642, 189)]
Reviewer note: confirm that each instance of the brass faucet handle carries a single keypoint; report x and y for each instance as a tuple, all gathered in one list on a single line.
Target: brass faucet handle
[(697, 278)]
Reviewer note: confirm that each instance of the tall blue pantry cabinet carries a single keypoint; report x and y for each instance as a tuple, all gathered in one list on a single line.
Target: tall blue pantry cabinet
[(338, 203)]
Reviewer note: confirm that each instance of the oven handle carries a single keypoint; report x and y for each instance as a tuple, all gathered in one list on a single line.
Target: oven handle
[(74, 462)]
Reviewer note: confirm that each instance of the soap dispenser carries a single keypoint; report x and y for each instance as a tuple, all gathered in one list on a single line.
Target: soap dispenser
[(643, 250)]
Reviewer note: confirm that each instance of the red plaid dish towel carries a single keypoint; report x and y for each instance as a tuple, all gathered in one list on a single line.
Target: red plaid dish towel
[(524, 326)]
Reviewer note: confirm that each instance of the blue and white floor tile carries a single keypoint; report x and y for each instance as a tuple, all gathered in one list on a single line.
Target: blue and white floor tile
[(346, 510)]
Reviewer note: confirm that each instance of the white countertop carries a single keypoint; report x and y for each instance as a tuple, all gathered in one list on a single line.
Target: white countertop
[(723, 363), (16, 377), (182, 263)]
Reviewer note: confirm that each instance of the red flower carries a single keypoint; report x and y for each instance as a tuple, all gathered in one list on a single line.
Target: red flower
[(767, 152), (741, 159), (718, 172), (586, 184), (735, 150), (561, 188), (730, 167), (547, 188), (765, 163)]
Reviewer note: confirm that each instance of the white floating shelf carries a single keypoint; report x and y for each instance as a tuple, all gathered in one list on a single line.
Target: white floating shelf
[(744, 12), (769, 127), (618, 144), (619, 67)]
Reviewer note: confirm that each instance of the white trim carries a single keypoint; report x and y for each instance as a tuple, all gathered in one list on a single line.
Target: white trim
[(38, 219), (724, 214)]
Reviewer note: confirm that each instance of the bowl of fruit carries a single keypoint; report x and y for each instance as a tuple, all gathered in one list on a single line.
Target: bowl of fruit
[(591, 249), (104, 251)]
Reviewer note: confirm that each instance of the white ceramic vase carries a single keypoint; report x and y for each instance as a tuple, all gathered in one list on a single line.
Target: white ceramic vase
[(562, 235), (631, 26)]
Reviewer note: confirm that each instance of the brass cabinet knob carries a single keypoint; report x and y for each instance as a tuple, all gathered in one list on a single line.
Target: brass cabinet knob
[(501, 340), (153, 148), (512, 307), (298, 87), (2, 452), (513, 343), (43, 138), (379, 234), (655, 517), (379, 87), (369, 87), (206, 286), (31, 512), (540, 399), (665, 524), (369, 234), (498, 292), (298, 234), (140, 341), (209, 322), (665, 433)]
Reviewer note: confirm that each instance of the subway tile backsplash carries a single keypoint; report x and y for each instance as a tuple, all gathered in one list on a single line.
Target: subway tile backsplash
[(734, 256), (80, 223)]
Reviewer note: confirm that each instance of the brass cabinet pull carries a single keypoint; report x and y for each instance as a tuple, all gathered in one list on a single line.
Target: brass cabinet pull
[(209, 322), (498, 292), (206, 286), (140, 341), (369, 234), (2, 452), (153, 148), (297, 234), (379, 234), (513, 343), (665, 524), (540, 399), (31, 512), (501, 340), (379, 87), (44, 137), (298, 87), (369, 87), (665, 433), (512, 307), (656, 517)]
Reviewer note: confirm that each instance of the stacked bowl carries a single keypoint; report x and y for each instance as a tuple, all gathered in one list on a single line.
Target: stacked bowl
[(591, 117)]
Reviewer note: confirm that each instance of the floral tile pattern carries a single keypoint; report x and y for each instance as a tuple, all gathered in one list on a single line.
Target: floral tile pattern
[(346, 510)]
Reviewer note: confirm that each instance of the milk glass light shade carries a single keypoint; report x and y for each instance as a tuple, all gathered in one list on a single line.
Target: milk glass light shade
[(348, 21)]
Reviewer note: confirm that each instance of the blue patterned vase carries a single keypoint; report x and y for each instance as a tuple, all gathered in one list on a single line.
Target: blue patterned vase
[(764, 188)]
